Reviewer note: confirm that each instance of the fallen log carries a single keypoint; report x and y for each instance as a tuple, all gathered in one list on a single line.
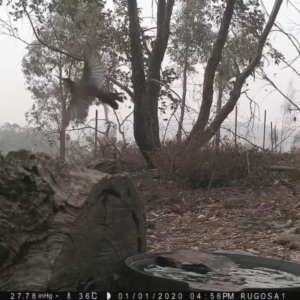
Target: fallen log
[(65, 227)]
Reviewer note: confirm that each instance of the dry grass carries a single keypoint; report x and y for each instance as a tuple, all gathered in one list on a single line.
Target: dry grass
[(231, 166)]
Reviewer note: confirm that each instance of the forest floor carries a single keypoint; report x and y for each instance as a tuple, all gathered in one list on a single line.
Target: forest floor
[(244, 219)]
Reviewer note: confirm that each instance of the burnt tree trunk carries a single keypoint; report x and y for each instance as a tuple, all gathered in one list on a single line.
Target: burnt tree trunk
[(147, 86), (63, 227), (62, 144)]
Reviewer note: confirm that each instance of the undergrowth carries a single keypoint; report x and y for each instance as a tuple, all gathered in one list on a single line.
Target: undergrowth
[(232, 165)]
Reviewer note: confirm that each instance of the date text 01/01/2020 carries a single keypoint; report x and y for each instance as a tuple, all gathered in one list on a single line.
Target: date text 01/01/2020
[(151, 296), (206, 296)]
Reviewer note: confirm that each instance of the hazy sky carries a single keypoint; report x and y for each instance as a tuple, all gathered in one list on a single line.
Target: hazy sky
[(16, 100)]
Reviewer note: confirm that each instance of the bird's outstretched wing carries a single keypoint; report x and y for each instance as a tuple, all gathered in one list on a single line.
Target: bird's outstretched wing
[(78, 109), (93, 70)]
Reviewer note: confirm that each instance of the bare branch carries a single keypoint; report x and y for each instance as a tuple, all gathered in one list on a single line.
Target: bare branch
[(252, 115), (243, 138), (292, 39), (120, 125), (162, 83), (290, 66), (46, 45), (12, 33), (277, 89), (120, 85)]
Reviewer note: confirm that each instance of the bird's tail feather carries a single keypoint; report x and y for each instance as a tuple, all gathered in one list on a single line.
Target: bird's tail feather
[(110, 98)]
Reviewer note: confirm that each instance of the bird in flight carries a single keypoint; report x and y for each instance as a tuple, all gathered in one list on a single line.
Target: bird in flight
[(85, 91)]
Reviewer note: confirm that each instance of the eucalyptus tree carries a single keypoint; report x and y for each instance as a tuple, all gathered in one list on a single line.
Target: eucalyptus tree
[(245, 12), (190, 40), (123, 27), (126, 41), (41, 63), (195, 29)]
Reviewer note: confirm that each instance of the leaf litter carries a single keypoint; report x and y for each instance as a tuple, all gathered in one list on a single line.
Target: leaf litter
[(239, 219)]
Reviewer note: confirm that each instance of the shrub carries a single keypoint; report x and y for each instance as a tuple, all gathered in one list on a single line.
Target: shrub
[(232, 165)]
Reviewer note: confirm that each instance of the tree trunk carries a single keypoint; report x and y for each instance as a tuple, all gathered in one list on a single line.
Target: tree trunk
[(146, 128), (219, 106), (62, 144), (146, 92), (62, 134), (183, 98), (141, 125), (65, 227), (201, 132), (210, 71)]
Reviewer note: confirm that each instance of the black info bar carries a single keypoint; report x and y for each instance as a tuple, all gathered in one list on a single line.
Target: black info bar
[(268, 295)]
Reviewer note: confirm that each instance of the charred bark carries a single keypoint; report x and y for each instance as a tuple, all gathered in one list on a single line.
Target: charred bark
[(146, 90), (63, 227)]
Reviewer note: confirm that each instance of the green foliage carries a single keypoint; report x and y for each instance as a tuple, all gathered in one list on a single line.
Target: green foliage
[(39, 66), (194, 29), (68, 28), (68, 25), (191, 34)]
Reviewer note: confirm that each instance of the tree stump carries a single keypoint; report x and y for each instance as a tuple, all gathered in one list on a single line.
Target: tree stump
[(64, 227)]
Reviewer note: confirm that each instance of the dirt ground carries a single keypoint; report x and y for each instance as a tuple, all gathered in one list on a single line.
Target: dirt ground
[(218, 219)]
